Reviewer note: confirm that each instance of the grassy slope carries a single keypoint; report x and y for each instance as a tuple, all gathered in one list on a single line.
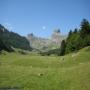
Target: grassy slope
[(22, 71)]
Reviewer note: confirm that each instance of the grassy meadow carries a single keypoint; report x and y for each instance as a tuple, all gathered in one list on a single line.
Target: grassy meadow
[(35, 72)]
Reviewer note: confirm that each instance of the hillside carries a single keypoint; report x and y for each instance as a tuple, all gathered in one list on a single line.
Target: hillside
[(35, 72), (10, 40)]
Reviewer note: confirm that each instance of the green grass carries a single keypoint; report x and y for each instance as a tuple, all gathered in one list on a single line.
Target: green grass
[(70, 72)]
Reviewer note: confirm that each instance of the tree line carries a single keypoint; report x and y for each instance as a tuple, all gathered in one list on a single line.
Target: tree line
[(77, 39)]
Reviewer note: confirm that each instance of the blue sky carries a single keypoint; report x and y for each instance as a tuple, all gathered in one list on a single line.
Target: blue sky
[(41, 17)]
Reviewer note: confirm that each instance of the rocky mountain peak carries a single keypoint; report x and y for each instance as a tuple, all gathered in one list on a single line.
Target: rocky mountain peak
[(30, 35), (40, 43), (56, 36), (57, 31)]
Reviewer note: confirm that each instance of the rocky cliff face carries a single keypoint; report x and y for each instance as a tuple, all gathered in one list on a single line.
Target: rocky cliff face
[(38, 42), (56, 37), (46, 44)]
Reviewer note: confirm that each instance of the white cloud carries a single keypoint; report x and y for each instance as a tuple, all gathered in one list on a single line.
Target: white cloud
[(44, 27), (8, 26)]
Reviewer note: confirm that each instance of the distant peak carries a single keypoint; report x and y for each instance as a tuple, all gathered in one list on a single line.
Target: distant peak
[(30, 35), (57, 31)]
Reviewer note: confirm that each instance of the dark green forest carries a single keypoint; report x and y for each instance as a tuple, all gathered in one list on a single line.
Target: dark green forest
[(77, 39), (10, 40)]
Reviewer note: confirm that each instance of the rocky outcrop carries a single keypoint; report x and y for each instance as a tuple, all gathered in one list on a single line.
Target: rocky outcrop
[(46, 44)]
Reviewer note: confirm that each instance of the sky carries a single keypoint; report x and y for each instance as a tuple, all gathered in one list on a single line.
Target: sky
[(42, 17)]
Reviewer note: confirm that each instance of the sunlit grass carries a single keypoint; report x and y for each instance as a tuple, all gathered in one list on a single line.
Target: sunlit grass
[(29, 72)]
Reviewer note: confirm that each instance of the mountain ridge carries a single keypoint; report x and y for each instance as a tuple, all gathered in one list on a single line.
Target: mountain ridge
[(10, 40), (46, 43)]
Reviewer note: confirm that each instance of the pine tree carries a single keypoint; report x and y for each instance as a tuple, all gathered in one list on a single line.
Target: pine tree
[(63, 46), (85, 28), (75, 30)]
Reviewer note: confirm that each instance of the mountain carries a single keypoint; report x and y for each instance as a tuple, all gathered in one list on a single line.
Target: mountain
[(46, 44), (38, 42), (56, 37), (10, 40)]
